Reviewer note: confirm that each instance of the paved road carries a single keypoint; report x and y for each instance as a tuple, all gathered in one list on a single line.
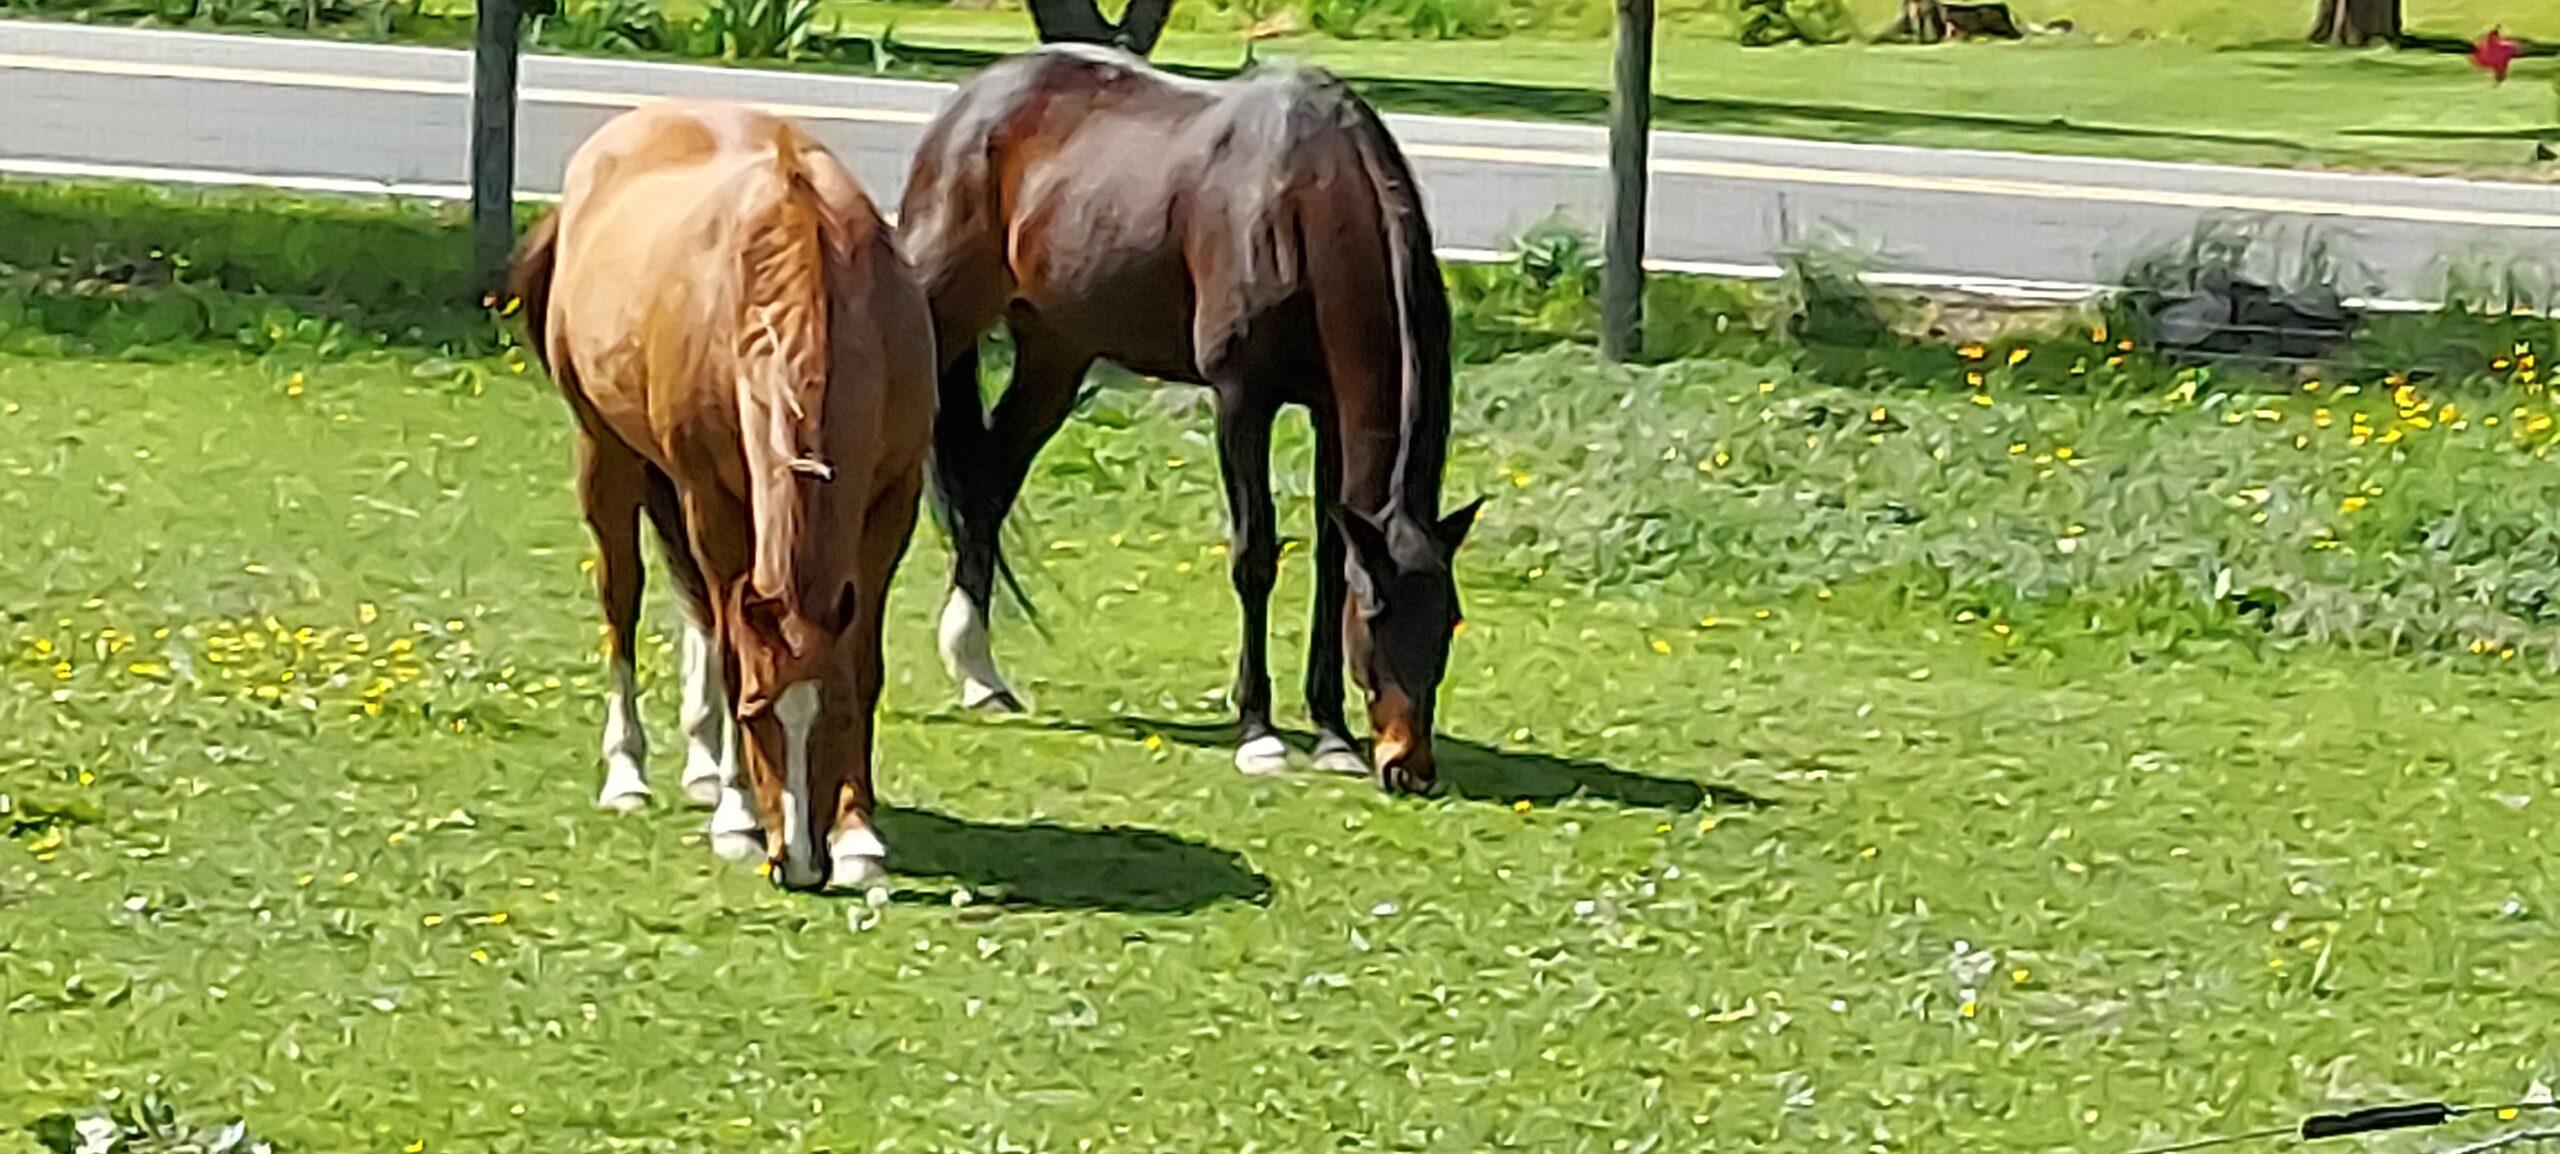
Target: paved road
[(76, 99)]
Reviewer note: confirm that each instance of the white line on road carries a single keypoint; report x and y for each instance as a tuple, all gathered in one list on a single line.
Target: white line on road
[(1996, 287)]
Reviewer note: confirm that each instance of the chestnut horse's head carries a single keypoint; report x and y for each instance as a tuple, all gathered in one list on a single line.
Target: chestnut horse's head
[(804, 739), (1397, 628)]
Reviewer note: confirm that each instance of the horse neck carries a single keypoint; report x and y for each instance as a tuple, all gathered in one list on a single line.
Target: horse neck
[(1394, 450)]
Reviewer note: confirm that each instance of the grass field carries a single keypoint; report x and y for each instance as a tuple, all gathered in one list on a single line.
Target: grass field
[(2182, 80), (1831, 769), (2227, 83)]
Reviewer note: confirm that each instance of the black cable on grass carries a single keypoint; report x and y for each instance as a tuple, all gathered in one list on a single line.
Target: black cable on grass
[(2370, 1120)]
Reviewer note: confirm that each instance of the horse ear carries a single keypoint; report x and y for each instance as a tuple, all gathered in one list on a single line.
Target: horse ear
[(1452, 529), (769, 618), (1372, 560), (1368, 539)]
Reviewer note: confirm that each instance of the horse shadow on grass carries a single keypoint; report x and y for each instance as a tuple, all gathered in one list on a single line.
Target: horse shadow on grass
[(1045, 866), (1468, 769)]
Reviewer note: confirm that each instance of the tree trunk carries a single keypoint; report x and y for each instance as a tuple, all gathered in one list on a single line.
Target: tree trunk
[(2356, 23), (1082, 22)]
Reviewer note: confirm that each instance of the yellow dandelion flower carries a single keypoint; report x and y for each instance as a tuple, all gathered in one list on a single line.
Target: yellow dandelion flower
[(1971, 352), (2351, 504), (1982, 399), (1661, 646), (1520, 806), (2018, 356)]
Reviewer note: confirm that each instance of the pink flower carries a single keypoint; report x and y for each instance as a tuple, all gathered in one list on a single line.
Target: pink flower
[(2496, 53)]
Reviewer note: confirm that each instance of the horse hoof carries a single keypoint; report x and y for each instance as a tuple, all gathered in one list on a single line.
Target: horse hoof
[(783, 877), (737, 848), (856, 873), (736, 835), (626, 789), (986, 698), (702, 786), (1263, 757), (1342, 760)]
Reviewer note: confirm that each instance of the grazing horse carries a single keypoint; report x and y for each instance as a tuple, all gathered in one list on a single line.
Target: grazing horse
[(751, 365), (1261, 237)]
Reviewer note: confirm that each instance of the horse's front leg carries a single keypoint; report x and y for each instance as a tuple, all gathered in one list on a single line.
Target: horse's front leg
[(1336, 751), (1244, 457)]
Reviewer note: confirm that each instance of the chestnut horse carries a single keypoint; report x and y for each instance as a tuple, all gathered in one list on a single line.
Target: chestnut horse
[(751, 365), (1262, 237)]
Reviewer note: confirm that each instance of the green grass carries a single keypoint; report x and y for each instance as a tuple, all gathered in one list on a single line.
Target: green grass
[(2222, 83), (1943, 835), (2245, 101), (2189, 80)]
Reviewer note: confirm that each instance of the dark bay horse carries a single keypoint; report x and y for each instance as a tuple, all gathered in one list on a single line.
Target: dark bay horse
[(1262, 237), (751, 365)]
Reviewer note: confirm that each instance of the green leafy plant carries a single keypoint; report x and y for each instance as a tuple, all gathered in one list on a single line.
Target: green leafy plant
[(1765, 22), (606, 26), (147, 1124), (758, 29), (1824, 301)]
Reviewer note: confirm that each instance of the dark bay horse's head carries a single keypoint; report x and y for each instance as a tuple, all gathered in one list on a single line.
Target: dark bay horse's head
[(1396, 631)]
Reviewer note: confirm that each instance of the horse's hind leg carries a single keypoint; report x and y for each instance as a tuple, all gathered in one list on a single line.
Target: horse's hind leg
[(1046, 379), (710, 759), (1244, 458), (961, 456), (613, 486), (856, 857)]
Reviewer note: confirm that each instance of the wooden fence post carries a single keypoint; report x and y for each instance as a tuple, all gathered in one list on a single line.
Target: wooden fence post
[(494, 60), (1630, 125)]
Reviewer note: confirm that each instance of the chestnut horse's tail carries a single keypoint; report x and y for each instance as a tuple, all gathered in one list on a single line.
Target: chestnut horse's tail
[(529, 283), (792, 247), (1422, 305)]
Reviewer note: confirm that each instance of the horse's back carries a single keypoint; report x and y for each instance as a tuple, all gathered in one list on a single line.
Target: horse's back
[(659, 214), (1073, 180)]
